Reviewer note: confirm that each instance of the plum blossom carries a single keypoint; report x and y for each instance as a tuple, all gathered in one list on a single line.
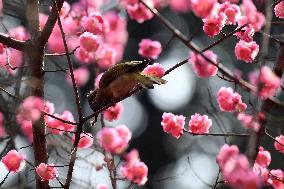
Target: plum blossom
[(236, 170), (89, 42), (246, 51), (106, 58), (173, 124), (14, 161), (113, 112), (246, 34), (229, 100), (275, 179), (149, 48), (201, 66), (114, 140), (232, 12), (199, 124), (182, 6), (133, 169), (86, 140), (156, 70), (84, 57), (202, 8), (278, 146), (213, 25), (81, 76), (31, 109), (139, 12), (263, 157), (93, 23), (57, 127), (279, 10), (47, 171), (248, 121)]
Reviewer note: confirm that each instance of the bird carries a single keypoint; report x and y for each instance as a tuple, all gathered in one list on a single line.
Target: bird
[(119, 81)]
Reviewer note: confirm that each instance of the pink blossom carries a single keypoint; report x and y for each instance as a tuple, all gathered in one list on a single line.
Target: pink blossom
[(201, 66), (14, 161), (113, 112), (173, 124), (47, 171), (2, 48), (136, 172), (81, 76), (57, 127), (248, 121), (278, 146), (246, 51), (84, 57), (182, 6), (86, 140), (226, 153), (89, 42), (49, 107), (65, 9), (94, 23), (132, 156), (232, 12), (156, 70), (139, 12), (230, 1), (199, 124), (101, 186), (246, 34), (213, 24), (279, 10), (230, 101), (2, 130), (97, 80), (19, 33), (275, 179), (268, 82), (252, 16), (114, 140), (149, 48), (31, 108), (202, 8), (106, 58), (263, 157)]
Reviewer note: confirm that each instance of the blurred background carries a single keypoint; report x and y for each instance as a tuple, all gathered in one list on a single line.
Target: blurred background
[(186, 163)]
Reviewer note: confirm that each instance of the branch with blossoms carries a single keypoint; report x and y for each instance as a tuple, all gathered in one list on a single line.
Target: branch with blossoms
[(96, 42)]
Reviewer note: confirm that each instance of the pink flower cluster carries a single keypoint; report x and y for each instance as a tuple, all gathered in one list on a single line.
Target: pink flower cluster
[(201, 66), (267, 82), (230, 101), (246, 51), (114, 140), (280, 144), (236, 170), (14, 161), (248, 121), (47, 171), (173, 124), (30, 109), (113, 112), (138, 12), (199, 124), (279, 10), (149, 48), (81, 76), (133, 169), (86, 140), (58, 127), (156, 70)]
